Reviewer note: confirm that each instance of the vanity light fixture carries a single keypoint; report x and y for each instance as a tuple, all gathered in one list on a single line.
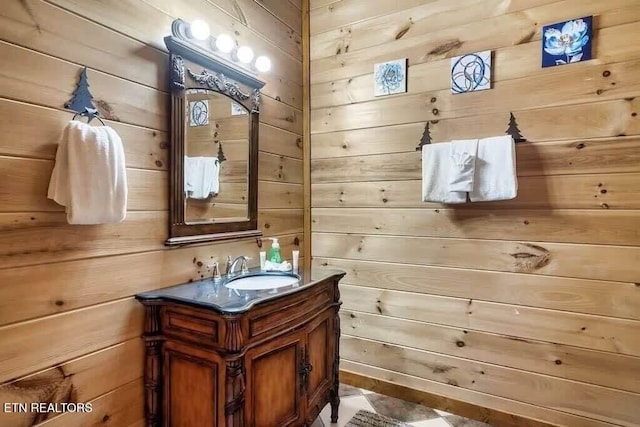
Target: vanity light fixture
[(199, 30), (263, 64), (222, 45), (245, 54)]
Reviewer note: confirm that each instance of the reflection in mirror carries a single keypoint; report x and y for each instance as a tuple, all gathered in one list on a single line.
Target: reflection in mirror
[(216, 158)]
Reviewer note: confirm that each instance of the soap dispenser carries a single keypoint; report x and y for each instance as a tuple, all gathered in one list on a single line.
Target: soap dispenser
[(274, 252)]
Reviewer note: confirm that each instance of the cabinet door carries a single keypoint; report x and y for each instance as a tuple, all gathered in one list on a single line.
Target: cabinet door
[(273, 382), (192, 396), (320, 357)]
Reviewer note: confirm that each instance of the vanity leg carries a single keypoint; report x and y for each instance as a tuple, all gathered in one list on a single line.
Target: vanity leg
[(153, 365), (235, 388), (334, 396), (335, 403)]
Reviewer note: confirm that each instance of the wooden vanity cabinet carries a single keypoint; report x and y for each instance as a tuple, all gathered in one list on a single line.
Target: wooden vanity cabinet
[(273, 365)]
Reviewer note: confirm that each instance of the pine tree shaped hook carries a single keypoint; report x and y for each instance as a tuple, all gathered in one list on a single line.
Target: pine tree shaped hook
[(426, 138), (81, 101), (221, 157), (514, 131)]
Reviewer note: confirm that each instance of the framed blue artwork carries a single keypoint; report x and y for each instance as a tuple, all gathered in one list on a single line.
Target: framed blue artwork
[(390, 77), (471, 72), (567, 42), (199, 113)]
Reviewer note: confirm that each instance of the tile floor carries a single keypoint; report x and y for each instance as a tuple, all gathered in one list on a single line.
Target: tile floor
[(353, 399)]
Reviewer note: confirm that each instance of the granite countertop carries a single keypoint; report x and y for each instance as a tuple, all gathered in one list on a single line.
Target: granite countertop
[(207, 294)]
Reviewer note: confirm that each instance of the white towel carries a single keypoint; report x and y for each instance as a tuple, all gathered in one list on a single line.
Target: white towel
[(201, 177), (190, 169), (90, 176), (436, 166), (463, 158), (495, 177)]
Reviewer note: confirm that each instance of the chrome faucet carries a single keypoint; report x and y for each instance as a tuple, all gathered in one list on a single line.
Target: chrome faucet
[(231, 265)]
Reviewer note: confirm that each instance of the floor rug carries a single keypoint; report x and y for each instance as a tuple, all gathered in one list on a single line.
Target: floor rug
[(368, 419)]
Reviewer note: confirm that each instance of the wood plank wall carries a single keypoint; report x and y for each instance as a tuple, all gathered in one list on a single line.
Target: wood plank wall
[(69, 327), (530, 307)]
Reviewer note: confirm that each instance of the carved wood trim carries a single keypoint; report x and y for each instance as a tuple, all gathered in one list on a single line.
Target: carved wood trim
[(177, 73), (234, 338), (220, 83), (153, 365), (234, 393)]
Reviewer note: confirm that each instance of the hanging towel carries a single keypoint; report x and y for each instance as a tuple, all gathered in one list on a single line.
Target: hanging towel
[(201, 177), (495, 177), (90, 177), (436, 166), (190, 171), (463, 159)]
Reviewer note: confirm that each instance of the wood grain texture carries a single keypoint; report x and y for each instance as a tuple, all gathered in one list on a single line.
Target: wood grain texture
[(149, 22), (47, 81), (510, 383), (579, 86), (549, 416), (78, 380), (143, 148), (605, 298), (146, 22), (473, 35), (408, 19), (345, 87), (596, 191), (615, 155), (257, 18), (123, 407), (69, 285), (571, 329), (431, 400), (555, 259), (306, 129), (272, 194), (286, 12), (602, 226), (27, 181), (46, 28), (280, 221), (93, 328), (278, 141), (279, 168)]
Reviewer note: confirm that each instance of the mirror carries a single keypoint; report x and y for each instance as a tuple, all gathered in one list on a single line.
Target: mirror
[(214, 145), (216, 161)]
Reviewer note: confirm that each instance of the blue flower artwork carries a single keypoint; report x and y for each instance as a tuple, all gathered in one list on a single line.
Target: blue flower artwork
[(471, 72), (566, 42), (390, 77)]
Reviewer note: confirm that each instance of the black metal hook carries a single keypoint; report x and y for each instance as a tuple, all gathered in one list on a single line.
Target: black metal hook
[(81, 100), (90, 114)]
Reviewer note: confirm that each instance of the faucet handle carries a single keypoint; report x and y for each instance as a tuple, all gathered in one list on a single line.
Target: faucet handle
[(216, 272), (228, 264), (244, 267)]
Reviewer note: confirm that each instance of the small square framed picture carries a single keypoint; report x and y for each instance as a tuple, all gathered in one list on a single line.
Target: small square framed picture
[(567, 42), (390, 77)]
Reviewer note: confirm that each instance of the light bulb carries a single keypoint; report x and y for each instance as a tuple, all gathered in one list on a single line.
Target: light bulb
[(245, 54), (199, 29), (224, 43), (263, 64)]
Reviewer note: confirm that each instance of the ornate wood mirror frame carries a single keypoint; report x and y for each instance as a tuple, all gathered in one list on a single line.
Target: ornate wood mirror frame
[(192, 66)]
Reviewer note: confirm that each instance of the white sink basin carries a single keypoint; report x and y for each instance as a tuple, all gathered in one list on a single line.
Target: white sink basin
[(258, 282)]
